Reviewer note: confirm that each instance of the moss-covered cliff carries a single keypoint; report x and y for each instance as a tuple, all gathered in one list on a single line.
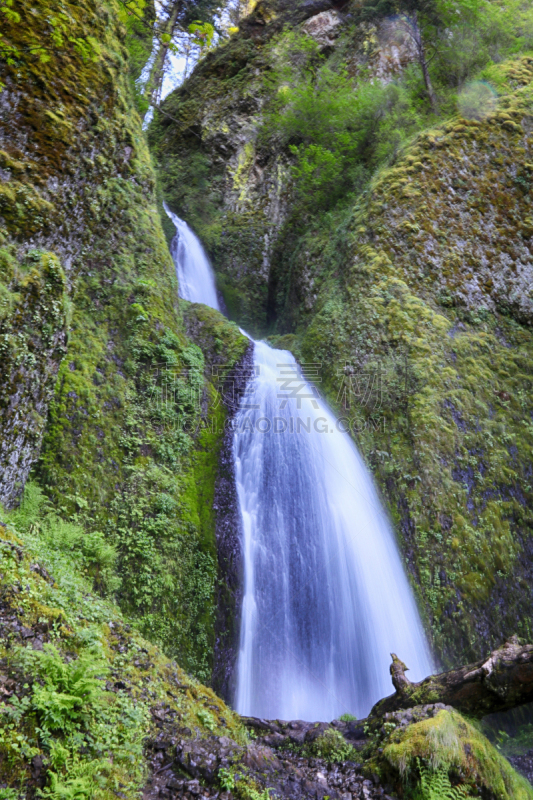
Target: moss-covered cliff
[(436, 294), (91, 710), (131, 437), (84, 698), (115, 396), (411, 288)]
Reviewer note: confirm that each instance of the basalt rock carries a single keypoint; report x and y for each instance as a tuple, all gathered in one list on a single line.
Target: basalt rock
[(229, 538), (33, 341), (193, 769)]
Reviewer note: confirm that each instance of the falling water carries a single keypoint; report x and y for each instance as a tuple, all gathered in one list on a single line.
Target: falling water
[(195, 276), (326, 597)]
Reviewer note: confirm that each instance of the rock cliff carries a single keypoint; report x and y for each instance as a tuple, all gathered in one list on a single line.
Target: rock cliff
[(412, 293), (103, 393)]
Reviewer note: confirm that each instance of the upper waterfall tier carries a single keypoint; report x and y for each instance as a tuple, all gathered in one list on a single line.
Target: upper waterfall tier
[(195, 275)]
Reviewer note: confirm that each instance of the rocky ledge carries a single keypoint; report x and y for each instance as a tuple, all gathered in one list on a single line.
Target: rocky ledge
[(281, 760), (352, 760), (220, 768)]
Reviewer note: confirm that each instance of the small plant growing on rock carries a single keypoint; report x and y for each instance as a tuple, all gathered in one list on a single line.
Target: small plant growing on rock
[(206, 718), (226, 778), (333, 747), (347, 718)]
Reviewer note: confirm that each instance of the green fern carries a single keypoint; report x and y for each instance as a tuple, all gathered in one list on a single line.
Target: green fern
[(70, 691), (80, 782), (435, 784)]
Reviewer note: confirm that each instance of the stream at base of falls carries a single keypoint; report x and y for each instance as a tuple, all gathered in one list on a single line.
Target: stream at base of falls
[(326, 597)]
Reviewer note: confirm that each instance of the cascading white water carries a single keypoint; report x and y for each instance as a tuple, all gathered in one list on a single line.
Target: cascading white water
[(326, 597), (195, 276)]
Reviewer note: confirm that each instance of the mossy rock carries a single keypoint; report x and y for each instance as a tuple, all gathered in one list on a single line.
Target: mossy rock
[(434, 742), (127, 414), (87, 695)]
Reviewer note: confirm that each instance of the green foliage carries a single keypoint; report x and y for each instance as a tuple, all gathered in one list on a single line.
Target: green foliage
[(83, 702), (202, 34), (333, 747), (90, 550), (520, 741), (474, 35), (81, 781), (207, 719), (129, 455), (436, 754), (340, 129), (348, 718), (69, 690), (435, 784), (9, 794), (337, 128), (246, 789), (226, 779)]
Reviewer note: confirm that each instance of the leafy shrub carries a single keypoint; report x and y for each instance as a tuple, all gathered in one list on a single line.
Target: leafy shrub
[(348, 718), (337, 129), (333, 747)]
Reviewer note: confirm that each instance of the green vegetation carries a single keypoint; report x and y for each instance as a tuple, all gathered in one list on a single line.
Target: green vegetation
[(132, 420), (454, 378), (357, 227), (348, 718), (333, 747), (436, 785), (444, 756), (367, 234), (85, 684), (337, 129), (320, 121)]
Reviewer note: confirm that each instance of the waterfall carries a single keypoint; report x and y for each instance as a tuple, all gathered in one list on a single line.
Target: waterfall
[(326, 597), (195, 275)]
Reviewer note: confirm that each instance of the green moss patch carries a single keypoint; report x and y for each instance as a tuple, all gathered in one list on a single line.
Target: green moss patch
[(445, 744)]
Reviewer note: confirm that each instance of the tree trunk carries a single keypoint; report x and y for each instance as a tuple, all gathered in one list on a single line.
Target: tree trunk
[(502, 681), (422, 60), (152, 89)]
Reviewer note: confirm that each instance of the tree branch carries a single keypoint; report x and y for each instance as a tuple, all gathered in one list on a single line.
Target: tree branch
[(502, 681)]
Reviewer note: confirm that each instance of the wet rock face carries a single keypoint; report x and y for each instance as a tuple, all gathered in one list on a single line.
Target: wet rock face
[(191, 769), (228, 538), (524, 764), (323, 28), (60, 164), (13, 630), (33, 343), (277, 733)]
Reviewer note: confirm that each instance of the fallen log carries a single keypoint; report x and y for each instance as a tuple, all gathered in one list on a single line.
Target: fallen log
[(502, 681)]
